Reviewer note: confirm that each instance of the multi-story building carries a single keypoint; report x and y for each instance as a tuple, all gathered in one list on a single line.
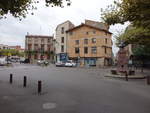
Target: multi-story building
[(39, 47), (61, 41), (2, 46), (90, 44), (17, 47)]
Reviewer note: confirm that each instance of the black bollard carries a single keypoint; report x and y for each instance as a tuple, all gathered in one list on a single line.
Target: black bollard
[(39, 87), (11, 78), (148, 80), (126, 74), (24, 81)]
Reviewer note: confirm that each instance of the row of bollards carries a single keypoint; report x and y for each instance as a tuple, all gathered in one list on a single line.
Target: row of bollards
[(11, 78), (25, 83)]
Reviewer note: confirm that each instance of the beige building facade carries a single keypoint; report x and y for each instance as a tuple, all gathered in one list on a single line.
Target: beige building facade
[(90, 44), (2, 46), (39, 48)]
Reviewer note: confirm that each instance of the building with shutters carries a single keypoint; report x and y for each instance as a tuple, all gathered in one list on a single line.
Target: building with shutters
[(90, 44), (39, 48)]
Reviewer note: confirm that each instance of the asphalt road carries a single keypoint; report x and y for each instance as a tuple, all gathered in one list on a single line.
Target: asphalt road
[(70, 90)]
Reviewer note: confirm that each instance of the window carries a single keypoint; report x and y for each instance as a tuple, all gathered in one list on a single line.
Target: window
[(85, 50), (35, 47), (30, 40), (105, 40), (62, 48), (105, 49), (105, 33), (48, 48), (77, 50), (77, 42), (42, 47), (85, 41), (94, 50), (62, 39), (42, 40), (48, 56), (62, 30), (36, 40), (48, 40), (35, 56), (87, 33), (93, 40), (29, 47)]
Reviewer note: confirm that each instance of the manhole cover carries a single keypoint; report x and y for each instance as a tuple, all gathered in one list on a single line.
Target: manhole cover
[(49, 106), (7, 98)]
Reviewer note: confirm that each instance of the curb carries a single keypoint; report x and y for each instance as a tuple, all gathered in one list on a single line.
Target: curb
[(129, 77)]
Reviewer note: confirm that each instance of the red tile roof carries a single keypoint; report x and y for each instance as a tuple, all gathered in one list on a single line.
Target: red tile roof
[(88, 26)]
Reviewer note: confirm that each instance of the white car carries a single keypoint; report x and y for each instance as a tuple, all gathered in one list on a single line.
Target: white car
[(74, 64), (41, 62), (3, 61), (59, 64), (70, 63)]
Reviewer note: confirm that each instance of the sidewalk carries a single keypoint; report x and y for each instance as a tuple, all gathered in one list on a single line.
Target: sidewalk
[(138, 74)]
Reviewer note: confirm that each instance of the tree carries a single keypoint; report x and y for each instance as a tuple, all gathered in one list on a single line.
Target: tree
[(141, 53), (133, 35), (6, 52), (20, 8), (142, 50), (137, 12)]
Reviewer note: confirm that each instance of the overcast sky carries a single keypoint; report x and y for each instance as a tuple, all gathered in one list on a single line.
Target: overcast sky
[(45, 20)]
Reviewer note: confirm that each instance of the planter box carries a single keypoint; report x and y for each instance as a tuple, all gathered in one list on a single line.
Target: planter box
[(131, 72), (114, 72)]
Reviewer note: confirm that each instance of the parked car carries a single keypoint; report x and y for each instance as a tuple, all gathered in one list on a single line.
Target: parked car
[(39, 62), (74, 64), (70, 63), (22, 59), (3, 61), (42, 62), (60, 64), (46, 62), (14, 59), (25, 61)]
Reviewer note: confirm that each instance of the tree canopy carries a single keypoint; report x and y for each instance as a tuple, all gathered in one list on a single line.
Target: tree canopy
[(134, 35), (137, 12), (141, 53), (13, 52), (20, 8)]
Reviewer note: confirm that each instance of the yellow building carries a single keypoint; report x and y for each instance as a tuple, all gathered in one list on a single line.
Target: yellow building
[(89, 45)]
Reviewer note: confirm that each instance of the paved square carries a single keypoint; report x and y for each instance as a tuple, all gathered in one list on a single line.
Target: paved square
[(70, 90)]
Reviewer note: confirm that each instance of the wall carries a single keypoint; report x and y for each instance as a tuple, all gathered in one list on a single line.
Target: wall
[(67, 25), (80, 34)]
